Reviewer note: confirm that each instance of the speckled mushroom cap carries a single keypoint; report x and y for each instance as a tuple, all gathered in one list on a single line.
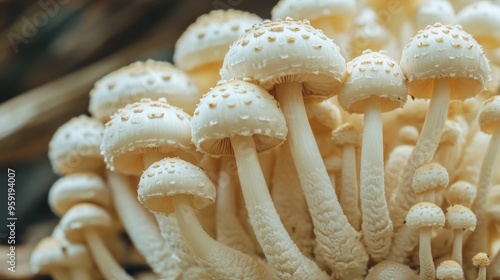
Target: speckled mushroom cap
[(76, 188), (207, 40), (143, 79), (449, 270), (338, 12), (425, 214), (481, 260), (482, 20), (85, 216), (170, 177), (445, 51), (323, 115), (146, 126), (346, 134), (430, 12), (237, 108), (489, 115), (373, 74), (460, 217), (430, 176), (286, 51), (75, 146), (461, 192), (390, 270)]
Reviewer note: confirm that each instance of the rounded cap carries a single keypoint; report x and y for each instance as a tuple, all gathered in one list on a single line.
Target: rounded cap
[(84, 216), (430, 12), (425, 214), (280, 51), (169, 177), (461, 192), (481, 260), (75, 146), (482, 20), (489, 115), (430, 176), (51, 253), (323, 115), (460, 217), (445, 51), (237, 108), (76, 188), (207, 40), (346, 134), (373, 74), (146, 126), (449, 270), (143, 79), (408, 134), (390, 270), (451, 133)]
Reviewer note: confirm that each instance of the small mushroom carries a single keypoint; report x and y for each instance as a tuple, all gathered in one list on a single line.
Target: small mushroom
[(429, 179), (461, 192), (459, 219), (449, 270), (481, 260), (389, 270)]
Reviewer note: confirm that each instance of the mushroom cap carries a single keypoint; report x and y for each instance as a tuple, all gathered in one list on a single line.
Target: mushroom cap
[(373, 74), (76, 188), (461, 192), (408, 134), (389, 270), (75, 146), (85, 216), (169, 177), (207, 40), (425, 214), (489, 115), (146, 126), (449, 270), (430, 176), (52, 253), (323, 115), (481, 20), (142, 79), (368, 31), (430, 12), (481, 259), (445, 51), (274, 52), (451, 132), (346, 134), (460, 217), (237, 108)]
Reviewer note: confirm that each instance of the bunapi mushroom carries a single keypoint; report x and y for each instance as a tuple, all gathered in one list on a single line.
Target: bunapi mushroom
[(459, 219), (449, 270), (482, 261)]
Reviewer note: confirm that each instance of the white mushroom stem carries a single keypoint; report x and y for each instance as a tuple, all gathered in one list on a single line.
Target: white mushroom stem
[(458, 237), (349, 194), (427, 269), (376, 225), (107, 265), (220, 261), (481, 274), (281, 252), (403, 244), (337, 243)]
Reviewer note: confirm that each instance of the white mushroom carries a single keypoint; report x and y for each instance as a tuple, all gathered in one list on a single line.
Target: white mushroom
[(459, 219)]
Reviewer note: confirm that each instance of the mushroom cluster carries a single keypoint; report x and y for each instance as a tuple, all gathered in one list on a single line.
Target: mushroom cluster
[(271, 151)]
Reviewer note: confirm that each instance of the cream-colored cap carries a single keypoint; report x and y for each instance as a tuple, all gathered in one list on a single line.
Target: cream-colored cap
[(83, 216), (75, 146), (142, 79), (430, 12), (460, 217), (323, 115), (237, 108), (461, 192), (346, 134), (481, 260), (489, 115), (445, 51), (51, 254), (146, 126), (373, 74), (425, 214), (430, 176), (449, 270), (451, 133), (274, 52), (482, 20), (169, 177), (207, 40), (368, 31), (390, 270)]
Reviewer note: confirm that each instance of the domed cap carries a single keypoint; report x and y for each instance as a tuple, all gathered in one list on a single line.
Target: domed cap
[(207, 40), (390, 270), (47, 255), (75, 146), (449, 270), (169, 177), (481, 260), (430, 176), (143, 79), (280, 51), (489, 115), (482, 20), (237, 108), (461, 192), (425, 214), (83, 216), (445, 51), (323, 115), (430, 12), (76, 188), (346, 134), (372, 74), (460, 217), (146, 126)]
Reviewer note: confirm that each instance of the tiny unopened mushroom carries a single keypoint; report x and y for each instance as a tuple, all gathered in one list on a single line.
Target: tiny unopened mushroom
[(482, 261), (428, 179), (459, 219), (461, 192), (449, 270), (389, 270)]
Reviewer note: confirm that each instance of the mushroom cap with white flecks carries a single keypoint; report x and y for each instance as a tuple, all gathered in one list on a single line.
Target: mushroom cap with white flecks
[(74, 147), (461, 192), (460, 217), (430, 12), (481, 259), (208, 39), (481, 20), (445, 52), (280, 51), (146, 126), (372, 74), (346, 134), (142, 79), (489, 115), (430, 176), (84, 216), (237, 108), (76, 188), (449, 270), (425, 214), (165, 179)]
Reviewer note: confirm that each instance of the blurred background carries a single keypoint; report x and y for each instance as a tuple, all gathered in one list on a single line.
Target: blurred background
[(51, 53)]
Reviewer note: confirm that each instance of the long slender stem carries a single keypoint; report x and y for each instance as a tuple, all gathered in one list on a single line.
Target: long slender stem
[(458, 237), (427, 269), (349, 194)]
